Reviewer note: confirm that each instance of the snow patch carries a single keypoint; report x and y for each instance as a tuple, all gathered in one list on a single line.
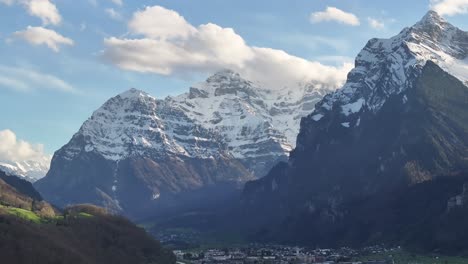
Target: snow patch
[(89, 148), (353, 107), (317, 117)]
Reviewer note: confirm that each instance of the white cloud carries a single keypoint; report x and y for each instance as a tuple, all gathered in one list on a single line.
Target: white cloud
[(335, 14), (160, 23), (375, 23), (43, 36), (112, 13), (171, 46), (117, 2), (24, 80), (43, 9), (15, 150), (450, 7)]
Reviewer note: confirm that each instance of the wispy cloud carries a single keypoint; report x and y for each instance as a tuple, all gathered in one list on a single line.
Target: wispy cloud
[(93, 2), (112, 13), (375, 23), (117, 2), (43, 36), (450, 7), (336, 15), (25, 80)]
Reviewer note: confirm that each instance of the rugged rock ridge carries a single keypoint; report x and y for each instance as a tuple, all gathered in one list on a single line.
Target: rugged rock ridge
[(136, 152), (400, 120)]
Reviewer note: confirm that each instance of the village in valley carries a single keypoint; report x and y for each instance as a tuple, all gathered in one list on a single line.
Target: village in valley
[(276, 254)]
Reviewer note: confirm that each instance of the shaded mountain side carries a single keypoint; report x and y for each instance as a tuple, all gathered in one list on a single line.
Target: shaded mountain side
[(140, 186), (416, 137), (426, 217)]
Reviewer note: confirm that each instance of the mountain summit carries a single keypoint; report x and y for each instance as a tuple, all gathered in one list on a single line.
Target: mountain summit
[(386, 66), (400, 121)]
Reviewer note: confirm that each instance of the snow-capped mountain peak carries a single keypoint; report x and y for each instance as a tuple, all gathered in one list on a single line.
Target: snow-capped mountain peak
[(225, 82), (386, 66), (134, 123), (431, 19), (225, 115), (135, 94)]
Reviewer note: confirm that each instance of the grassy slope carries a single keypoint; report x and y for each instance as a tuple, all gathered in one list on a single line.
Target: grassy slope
[(77, 236)]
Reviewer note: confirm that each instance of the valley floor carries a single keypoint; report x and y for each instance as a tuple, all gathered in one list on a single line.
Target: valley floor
[(276, 254)]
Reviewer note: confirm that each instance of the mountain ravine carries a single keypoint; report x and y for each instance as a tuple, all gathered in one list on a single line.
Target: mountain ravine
[(140, 155), (370, 157)]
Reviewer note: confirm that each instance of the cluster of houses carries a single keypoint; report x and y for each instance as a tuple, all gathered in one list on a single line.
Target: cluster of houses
[(257, 254)]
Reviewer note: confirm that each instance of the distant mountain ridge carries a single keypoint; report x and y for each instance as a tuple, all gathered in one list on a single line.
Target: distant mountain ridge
[(30, 170), (139, 150)]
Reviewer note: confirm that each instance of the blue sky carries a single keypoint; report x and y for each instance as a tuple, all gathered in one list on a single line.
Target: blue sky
[(48, 91)]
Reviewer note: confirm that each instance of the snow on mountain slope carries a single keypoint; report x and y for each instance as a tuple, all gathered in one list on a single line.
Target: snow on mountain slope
[(386, 66), (225, 115), (258, 125), (135, 123)]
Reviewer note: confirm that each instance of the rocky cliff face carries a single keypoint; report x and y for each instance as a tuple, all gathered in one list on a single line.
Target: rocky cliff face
[(137, 153), (400, 120)]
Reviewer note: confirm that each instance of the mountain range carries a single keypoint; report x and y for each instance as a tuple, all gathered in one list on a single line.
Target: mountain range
[(137, 154)]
